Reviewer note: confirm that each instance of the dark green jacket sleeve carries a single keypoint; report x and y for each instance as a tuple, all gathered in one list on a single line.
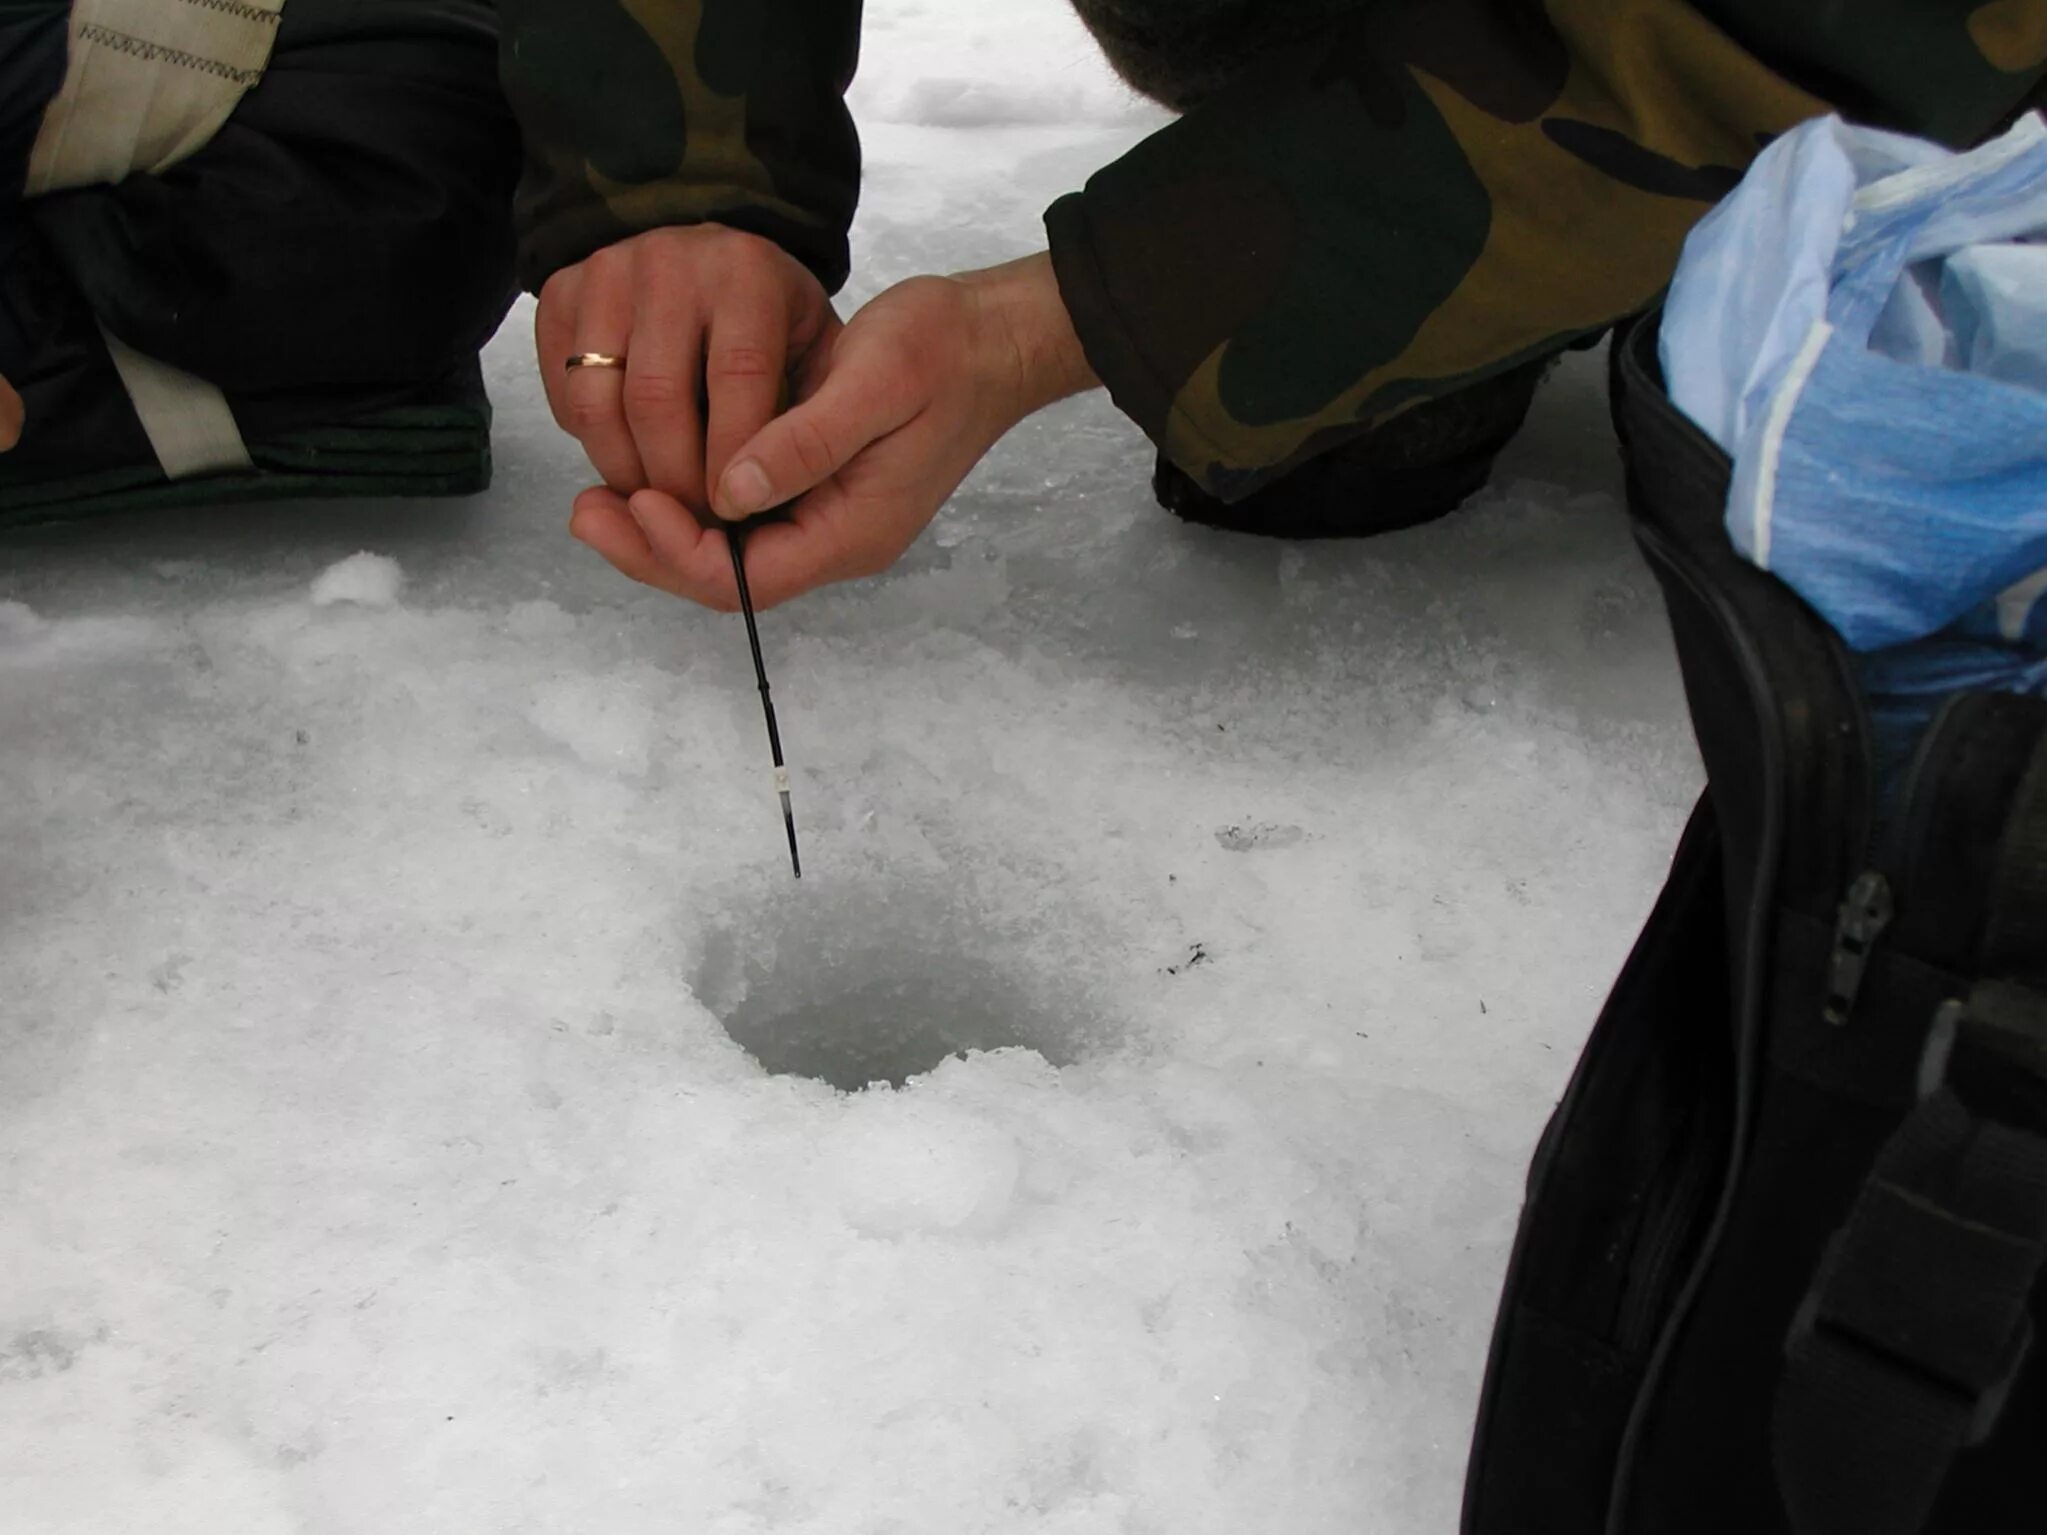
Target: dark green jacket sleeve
[(1430, 193), (643, 113)]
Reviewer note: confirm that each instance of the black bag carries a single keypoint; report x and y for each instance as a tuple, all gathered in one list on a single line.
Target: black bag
[(1779, 1272)]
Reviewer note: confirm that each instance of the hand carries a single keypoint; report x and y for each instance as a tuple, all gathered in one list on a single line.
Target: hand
[(10, 416), (710, 322), (892, 413)]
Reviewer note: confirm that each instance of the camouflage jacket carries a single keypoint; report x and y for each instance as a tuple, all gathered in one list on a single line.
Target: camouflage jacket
[(1423, 194)]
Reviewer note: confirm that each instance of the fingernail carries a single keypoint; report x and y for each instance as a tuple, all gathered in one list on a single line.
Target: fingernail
[(746, 489)]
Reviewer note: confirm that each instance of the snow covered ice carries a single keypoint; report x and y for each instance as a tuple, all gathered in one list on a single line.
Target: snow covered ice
[(908, 1164), (423, 1090)]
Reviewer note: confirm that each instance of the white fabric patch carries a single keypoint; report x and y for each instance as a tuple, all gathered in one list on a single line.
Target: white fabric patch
[(149, 82), (187, 420)]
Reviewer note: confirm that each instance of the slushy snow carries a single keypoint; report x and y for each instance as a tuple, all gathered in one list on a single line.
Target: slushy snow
[(427, 1103)]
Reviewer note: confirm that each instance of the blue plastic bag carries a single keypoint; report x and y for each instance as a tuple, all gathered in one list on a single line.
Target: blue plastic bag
[(1862, 324)]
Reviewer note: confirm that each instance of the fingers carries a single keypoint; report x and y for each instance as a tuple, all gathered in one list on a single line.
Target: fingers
[(589, 308), (660, 391), (698, 559), (860, 401), (10, 416), (700, 314), (653, 539), (821, 543), (641, 425), (593, 398), (746, 359), (892, 412), (554, 338)]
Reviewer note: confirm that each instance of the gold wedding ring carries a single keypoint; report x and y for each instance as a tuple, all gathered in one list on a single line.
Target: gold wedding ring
[(592, 360)]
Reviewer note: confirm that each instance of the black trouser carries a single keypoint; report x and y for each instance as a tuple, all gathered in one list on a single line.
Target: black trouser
[(342, 246)]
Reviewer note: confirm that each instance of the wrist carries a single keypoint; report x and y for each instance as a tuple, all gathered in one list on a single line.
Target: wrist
[(1027, 337)]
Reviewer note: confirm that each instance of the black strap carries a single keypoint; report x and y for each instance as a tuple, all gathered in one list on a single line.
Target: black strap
[(2015, 942), (1916, 1325)]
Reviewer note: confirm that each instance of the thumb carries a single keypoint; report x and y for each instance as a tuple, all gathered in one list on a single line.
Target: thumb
[(808, 444), (10, 416)]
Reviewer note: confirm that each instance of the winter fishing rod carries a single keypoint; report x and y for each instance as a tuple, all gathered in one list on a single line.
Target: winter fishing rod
[(735, 535)]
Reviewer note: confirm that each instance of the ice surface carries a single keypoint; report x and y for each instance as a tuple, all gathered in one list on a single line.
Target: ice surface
[(900, 1164), (948, 64), (18, 622), (416, 1064)]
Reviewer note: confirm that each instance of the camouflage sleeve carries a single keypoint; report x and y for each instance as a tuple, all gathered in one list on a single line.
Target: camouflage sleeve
[(1429, 194), (643, 113)]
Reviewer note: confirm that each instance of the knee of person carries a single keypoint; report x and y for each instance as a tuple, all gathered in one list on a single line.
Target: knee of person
[(349, 223), (1179, 53)]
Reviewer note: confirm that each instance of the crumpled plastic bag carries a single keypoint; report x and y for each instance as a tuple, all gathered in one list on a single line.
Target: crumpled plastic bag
[(1862, 325)]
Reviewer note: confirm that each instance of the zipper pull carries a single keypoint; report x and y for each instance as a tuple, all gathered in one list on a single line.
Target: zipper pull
[(1864, 916)]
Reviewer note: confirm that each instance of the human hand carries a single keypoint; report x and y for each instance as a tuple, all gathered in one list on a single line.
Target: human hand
[(10, 416), (891, 414), (710, 322)]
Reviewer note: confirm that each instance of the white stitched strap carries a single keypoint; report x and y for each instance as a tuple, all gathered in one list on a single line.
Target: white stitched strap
[(2015, 605), (149, 82), (187, 420), (1771, 448)]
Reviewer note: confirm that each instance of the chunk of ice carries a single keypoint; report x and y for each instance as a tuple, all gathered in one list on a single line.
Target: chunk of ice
[(369, 580)]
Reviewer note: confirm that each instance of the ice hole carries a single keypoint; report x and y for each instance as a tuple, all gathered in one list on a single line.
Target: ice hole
[(877, 985)]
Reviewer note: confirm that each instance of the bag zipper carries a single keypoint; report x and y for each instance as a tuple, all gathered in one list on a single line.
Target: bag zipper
[(1869, 908), (1748, 1004), (1858, 850), (1865, 916), (1655, 1259)]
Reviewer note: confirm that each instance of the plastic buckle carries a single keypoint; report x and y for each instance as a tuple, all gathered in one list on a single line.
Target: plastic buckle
[(1985, 1405), (1804, 1329), (1990, 1403), (1940, 1046), (1999, 1033)]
